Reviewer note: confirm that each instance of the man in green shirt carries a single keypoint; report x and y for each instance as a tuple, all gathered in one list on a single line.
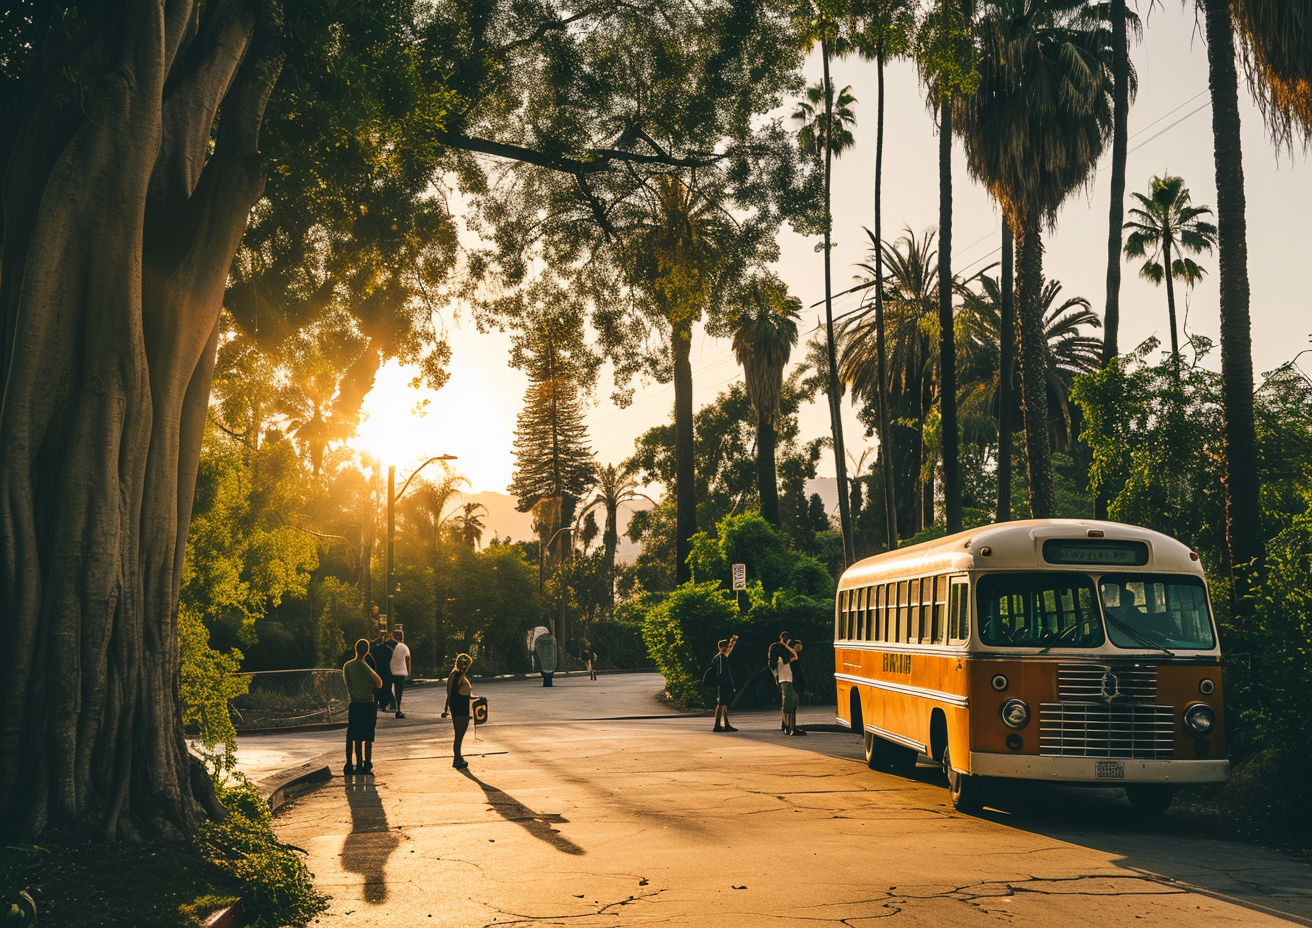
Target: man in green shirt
[(362, 713)]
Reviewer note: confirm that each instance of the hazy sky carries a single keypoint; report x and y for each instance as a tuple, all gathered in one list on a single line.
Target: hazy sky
[(1170, 130)]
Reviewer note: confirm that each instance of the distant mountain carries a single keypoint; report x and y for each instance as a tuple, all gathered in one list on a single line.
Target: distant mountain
[(504, 519)]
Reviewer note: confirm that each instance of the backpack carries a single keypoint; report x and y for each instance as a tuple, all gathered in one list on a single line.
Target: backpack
[(711, 677)]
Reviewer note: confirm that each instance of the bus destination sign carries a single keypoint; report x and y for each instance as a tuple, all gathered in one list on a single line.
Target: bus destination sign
[(1095, 553)]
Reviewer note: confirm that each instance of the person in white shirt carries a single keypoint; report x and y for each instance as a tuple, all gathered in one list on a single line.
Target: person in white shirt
[(788, 695), (400, 668)]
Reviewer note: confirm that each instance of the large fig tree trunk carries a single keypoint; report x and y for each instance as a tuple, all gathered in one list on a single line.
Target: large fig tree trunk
[(120, 224)]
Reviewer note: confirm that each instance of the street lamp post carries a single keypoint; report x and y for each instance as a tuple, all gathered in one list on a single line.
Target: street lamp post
[(392, 497)]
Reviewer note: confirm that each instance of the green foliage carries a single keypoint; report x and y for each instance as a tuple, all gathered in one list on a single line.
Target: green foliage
[(276, 884), (341, 621), (18, 865), (206, 683), (680, 634)]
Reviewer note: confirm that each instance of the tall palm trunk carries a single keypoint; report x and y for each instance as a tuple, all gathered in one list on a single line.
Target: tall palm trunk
[(765, 470), (609, 542), (1116, 211), (1006, 375), (685, 490), (947, 353), (835, 398), (1170, 309), (926, 459), (885, 446), (1034, 372), (1243, 510)]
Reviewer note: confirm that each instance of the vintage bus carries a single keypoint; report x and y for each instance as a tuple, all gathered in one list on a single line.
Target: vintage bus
[(1053, 649)]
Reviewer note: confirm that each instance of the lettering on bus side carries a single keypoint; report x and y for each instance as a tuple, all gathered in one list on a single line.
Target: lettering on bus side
[(897, 663)]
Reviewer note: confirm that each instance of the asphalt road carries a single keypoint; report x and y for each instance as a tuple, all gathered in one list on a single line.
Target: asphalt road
[(578, 811)]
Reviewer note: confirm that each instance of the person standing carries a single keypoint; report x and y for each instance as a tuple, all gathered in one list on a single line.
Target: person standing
[(590, 663), (458, 693), (400, 667), (381, 652), (787, 694), (723, 683), (361, 713), (773, 655), (799, 681)]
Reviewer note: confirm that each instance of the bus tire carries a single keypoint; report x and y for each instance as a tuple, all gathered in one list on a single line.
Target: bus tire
[(876, 752), (966, 791), (1150, 798)]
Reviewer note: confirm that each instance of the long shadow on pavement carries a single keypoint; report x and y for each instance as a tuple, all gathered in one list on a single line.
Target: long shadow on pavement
[(535, 823), (371, 841)]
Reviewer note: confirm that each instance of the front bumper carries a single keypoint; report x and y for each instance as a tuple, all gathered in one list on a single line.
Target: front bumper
[(1085, 769)]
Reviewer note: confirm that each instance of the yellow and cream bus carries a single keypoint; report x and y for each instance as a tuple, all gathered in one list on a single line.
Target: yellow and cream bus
[(1060, 650)]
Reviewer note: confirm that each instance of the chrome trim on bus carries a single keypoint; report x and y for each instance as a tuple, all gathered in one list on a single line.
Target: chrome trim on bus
[(951, 699), (898, 739), (842, 721), (1083, 769)]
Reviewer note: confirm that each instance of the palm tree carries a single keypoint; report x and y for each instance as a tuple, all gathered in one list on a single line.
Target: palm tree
[(948, 72), (677, 259), (826, 133), (614, 487), (1069, 350), (883, 29), (910, 329), (764, 334), (468, 524), (1165, 218), (1275, 37), (1034, 131), (1124, 87), (1243, 479)]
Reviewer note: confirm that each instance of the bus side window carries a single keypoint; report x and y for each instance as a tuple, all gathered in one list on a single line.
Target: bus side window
[(860, 615), (840, 625), (940, 607), (880, 594), (900, 630), (960, 610)]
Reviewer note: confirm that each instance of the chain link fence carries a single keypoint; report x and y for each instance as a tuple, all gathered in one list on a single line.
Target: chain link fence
[(289, 699)]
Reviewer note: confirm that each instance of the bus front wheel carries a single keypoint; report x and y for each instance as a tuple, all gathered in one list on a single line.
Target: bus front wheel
[(876, 756), (966, 791), (1150, 798)]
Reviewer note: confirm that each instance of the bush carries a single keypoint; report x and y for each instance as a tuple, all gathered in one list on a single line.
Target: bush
[(681, 632), (278, 888), (618, 640)]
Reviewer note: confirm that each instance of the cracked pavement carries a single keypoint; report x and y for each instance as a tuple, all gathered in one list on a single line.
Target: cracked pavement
[(567, 819)]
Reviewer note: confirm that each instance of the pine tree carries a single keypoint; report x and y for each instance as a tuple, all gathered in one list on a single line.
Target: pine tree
[(553, 459)]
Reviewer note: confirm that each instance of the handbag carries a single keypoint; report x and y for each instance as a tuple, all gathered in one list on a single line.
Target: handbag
[(710, 677)]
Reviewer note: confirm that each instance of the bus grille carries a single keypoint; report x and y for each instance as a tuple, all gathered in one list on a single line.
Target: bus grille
[(1120, 730), (1085, 682)]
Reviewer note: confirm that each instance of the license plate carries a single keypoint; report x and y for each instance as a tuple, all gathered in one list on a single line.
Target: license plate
[(1109, 770)]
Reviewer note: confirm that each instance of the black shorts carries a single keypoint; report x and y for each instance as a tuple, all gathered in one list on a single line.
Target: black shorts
[(725, 693), (459, 706), (361, 721)]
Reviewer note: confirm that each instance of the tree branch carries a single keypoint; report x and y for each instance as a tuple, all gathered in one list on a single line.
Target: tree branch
[(595, 161)]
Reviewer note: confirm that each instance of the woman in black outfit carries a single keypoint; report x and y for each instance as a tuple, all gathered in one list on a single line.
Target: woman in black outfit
[(458, 692)]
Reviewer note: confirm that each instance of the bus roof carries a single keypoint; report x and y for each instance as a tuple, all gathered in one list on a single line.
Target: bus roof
[(1017, 546)]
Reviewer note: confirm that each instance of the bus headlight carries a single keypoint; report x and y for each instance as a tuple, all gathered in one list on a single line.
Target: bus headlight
[(1199, 718), (1015, 714)]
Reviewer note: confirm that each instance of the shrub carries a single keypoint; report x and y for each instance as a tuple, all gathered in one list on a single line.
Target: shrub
[(277, 885), (681, 633)]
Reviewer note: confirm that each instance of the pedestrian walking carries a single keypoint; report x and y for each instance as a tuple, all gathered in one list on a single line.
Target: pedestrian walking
[(400, 667), (381, 652), (723, 683), (590, 663), (458, 693), (361, 712)]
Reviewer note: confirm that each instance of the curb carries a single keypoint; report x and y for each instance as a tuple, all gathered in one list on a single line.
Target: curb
[(278, 787), (231, 917)]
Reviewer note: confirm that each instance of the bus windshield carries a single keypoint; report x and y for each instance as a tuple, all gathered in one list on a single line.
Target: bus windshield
[(1039, 610), (1169, 610)]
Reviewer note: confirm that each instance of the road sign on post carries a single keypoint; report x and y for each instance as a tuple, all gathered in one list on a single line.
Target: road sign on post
[(740, 576)]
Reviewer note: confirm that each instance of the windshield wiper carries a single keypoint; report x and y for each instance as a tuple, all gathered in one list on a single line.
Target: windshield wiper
[(1135, 633)]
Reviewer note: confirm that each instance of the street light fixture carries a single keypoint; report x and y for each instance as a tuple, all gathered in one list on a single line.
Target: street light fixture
[(392, 497)]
